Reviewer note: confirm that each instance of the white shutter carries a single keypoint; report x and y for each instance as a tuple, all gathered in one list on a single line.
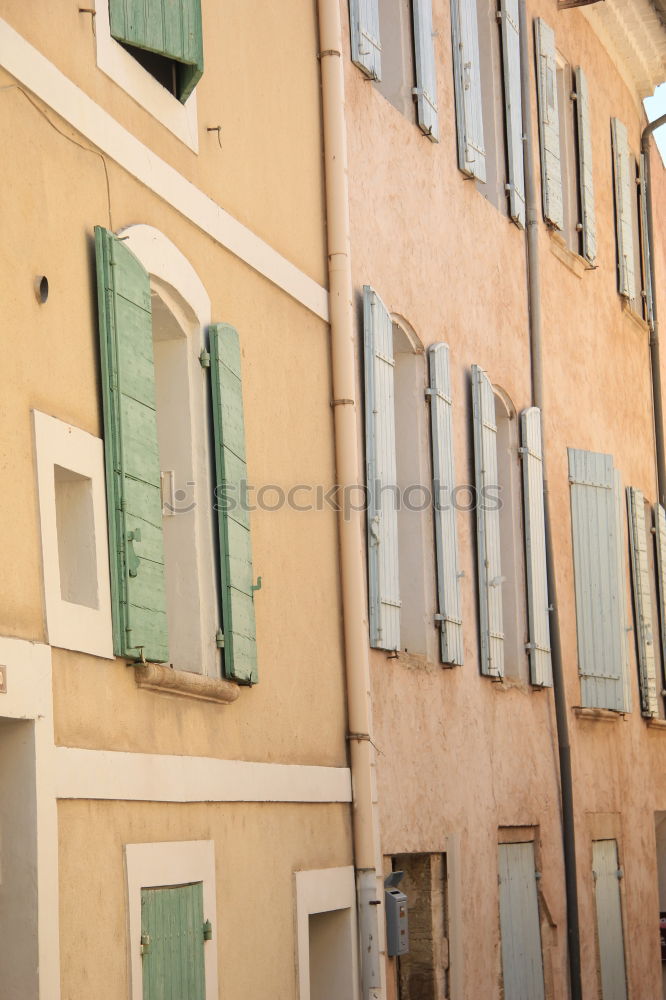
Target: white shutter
[(640, 577), (443, 470), (535, 549), (624, 192), (366, 49), (383, 577), (645, 243), (467, 82), (660, 539), (487, 525), (514, 108), (549, 124), (599, 574), (588, 218), (426, 70)]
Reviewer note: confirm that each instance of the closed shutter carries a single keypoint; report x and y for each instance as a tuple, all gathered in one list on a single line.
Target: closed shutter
[(487, 525), (444, 481), (624, 192), (606, 873), (549, 124), (240, 646), (366, 50), (383, 573), (599, 575), (586, 182), (522, 962), (660, 539), (426, 69), (535, 549), (467, 82), (642, 592), (172, 940), (514, 108), (170, 28), (136, 550), (645, 243)]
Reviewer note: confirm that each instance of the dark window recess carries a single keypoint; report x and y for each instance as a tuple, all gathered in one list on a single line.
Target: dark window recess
[(166, 71)]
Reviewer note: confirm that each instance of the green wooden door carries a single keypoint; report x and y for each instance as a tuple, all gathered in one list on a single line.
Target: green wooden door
[(172, 937)]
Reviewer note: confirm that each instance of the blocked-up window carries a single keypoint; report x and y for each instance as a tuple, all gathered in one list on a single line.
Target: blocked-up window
[(423, 973)]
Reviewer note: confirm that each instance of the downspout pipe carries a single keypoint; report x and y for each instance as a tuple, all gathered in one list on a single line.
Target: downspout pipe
[(536, 359), (367, 854), (655, 365)]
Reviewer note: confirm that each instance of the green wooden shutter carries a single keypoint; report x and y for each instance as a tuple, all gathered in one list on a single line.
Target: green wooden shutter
[(170, 28), (131, 452), (549, 124), (624, 192), (172, 939), (240, 646), (642, 592)]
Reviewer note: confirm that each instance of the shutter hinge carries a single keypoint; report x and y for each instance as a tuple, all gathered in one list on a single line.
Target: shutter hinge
[(538, 875), (207, 931), (145, 943), (439, 620), (204, 358), (595, 875), (619, 873), (219, 639), (257, 585)]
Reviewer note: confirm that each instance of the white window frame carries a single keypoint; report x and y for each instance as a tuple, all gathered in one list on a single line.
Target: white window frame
[(117, 63), (321, 891), (69, 625), (166, 864)]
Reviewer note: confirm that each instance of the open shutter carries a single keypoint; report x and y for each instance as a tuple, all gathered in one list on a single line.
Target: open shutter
[(383, 575), (535, 549), (660, 539), (444, 481), (171, 29), (467, 82), (487, 525), (240, 647), (549, 124), (426, 71), (514, 108), (588, 218), (624, 192), (640, 577), (366, 50), (136, 550), (601, 617), (645, 243)]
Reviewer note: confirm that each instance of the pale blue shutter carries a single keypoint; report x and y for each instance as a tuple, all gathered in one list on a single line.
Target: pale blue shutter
[(624, 192), (383, 575), (642, 592), (467, 83), (444, 481), (645, 243), (599, 576), (549, 124), (426, 69), (514, 109), (487, 525), (535, 549), (586, 181), (660, 540), (366, 49), (606, 874), (522, 962)]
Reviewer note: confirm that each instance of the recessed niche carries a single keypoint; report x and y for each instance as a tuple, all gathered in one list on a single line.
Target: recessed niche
[(75, 525)]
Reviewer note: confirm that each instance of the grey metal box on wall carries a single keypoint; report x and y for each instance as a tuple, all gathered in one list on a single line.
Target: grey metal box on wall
[(397, 930)]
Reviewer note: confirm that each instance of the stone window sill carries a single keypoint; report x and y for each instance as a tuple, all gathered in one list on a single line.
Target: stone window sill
[(598, 714), (633, 316), (568, 257), (656, 723), (157, 677)]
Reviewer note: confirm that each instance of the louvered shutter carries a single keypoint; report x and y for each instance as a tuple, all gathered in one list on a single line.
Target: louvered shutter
[(170, 28), (514, 108), (586, 182), (645, 242), (136, 551), (549, 124), (467, 82), (624, 192), (426, 70), (366, 50), (660, 539), (383, 573), (487, 525), (642, 593), (443, 470), (535, 549), (599, 574), (240, 647)]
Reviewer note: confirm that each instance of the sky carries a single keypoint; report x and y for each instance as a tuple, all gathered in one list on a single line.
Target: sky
[(654, 107)]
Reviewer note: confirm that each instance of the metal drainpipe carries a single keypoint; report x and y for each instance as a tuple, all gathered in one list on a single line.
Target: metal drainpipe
[(655, 366), (561, 713), (367, 851)]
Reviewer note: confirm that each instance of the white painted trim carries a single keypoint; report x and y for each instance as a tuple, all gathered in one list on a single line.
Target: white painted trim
[(40, 76), (118, 64), (138, 777), (320, 891), (163, 864), (72, 626)]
